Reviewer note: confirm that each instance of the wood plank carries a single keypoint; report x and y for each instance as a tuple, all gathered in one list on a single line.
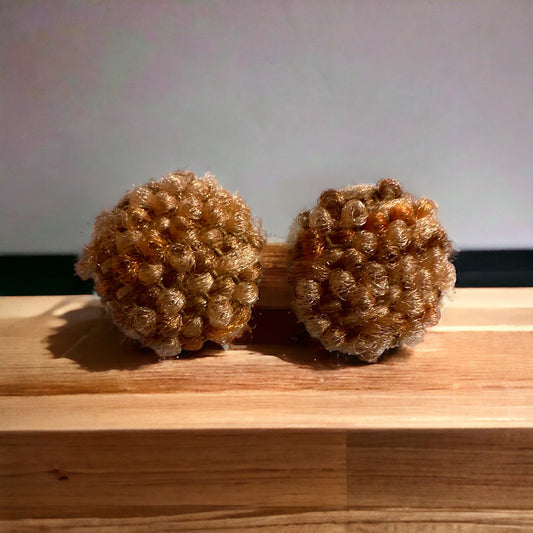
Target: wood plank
[(271, 434), (113, 473), (274, 292), (454, 469), (249, 410), (72, 342), (139, 473), (100, 363), (394, 520)]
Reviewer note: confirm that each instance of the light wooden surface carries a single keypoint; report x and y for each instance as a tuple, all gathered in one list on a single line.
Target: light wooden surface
[(350, 521), (271, 435)]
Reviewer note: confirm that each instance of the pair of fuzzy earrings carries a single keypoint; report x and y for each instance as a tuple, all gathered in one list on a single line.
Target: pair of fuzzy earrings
[(177, 263)]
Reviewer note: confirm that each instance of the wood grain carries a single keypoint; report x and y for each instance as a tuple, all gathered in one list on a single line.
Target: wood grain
[(274, 291), (164, 472), (72, 341), (273, 434), (258, 410), (149, 473), (353, 521), (483, 469)]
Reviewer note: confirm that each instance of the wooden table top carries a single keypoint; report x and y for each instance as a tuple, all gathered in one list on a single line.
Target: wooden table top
[(60, 354), (273, 434)]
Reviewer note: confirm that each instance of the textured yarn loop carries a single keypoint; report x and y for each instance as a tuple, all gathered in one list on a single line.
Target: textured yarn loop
[(370, 266), (176, 263)]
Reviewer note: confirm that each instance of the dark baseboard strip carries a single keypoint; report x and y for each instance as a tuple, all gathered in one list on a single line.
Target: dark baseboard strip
[(23, 275), (31, 275), (494, 268)]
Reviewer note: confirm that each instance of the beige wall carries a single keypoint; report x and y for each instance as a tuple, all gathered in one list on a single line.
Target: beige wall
[(278, 99)]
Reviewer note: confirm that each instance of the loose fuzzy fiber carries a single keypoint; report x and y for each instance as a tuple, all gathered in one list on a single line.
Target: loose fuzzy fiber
[(369, 268), (176, 263)]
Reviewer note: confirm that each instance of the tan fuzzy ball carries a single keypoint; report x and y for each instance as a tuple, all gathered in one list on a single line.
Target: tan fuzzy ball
[(369, 269), (176, 263)]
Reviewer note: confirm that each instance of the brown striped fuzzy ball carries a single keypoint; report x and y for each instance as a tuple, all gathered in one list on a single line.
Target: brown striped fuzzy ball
[(176, 263), (369, 268)]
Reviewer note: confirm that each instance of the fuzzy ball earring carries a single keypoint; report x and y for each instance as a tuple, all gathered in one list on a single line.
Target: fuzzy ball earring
[(176, 263), (369, 269)]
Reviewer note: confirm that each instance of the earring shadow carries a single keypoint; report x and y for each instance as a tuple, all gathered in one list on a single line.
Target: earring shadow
[(278, 333), (90, 339)]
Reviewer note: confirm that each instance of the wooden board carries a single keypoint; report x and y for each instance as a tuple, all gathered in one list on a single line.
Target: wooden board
[(273, 434)]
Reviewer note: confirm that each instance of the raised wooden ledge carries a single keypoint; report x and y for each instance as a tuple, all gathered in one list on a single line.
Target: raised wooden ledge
[(271, 435)]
